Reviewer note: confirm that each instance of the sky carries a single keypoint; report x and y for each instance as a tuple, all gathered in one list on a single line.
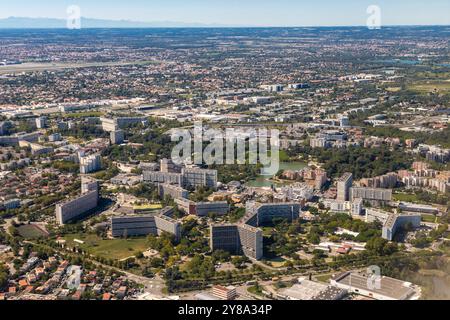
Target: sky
[(241, 12)]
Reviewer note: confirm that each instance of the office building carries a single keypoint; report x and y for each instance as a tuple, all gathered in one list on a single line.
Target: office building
[(344, 184)]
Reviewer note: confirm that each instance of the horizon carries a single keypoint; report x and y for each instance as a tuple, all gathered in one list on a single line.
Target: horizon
[(251, 13), (197, 25)]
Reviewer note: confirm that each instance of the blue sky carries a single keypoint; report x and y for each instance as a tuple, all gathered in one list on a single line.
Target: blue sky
[(241, 12)]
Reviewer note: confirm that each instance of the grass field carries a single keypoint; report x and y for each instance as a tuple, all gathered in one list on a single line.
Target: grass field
[(148, 207), (30, 231), (324, 278), (116, 249), (406, 197), (428, 218), (441, 87)]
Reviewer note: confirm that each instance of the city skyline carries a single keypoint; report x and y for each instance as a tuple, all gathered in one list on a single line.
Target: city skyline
[(266, 13)]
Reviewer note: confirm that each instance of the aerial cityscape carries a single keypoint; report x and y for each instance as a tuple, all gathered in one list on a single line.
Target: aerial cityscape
[(199, 163)]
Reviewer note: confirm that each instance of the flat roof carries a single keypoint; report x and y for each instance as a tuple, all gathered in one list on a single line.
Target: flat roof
[(390, 287)]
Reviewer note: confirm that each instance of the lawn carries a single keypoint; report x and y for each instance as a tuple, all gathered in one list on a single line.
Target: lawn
[(148, 207), (442, 87), (428, 218), (323, 278), (405, 197), (116, 249)]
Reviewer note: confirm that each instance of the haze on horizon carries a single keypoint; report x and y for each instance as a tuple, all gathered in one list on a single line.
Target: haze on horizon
[(242, 12)]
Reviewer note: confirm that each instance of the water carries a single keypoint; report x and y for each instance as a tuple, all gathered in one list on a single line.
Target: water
[(264, 181)]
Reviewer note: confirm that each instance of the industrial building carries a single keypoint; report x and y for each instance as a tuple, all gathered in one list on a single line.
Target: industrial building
[(383, 288)]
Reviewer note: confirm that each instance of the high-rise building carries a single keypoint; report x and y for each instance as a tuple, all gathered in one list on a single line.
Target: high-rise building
[(90, 163), (199, 178), (117, 136), (344, 184), (71, 210), (41, 122), (173, 191)]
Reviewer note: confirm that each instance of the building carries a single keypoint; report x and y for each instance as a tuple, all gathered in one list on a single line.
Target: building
[(357, 207), (204, 209), (237, 239), (109, 124), (344, 184), (74, 209), (385, 181), (371, 194), (311, 290), (246, 237), (224, 293), (142, 225), (54, 137), (88, 184), (165, 223), (117, 136), (166, 165), (173, 191), (382, 288), (195, 178), (419, 208), (91, 163), (337, 205), (41, 122), (259, 214), (163, 177), (398, 221), (129, 226)]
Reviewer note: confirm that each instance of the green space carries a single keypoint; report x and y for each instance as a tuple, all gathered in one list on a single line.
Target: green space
[(429, 218), (256, 290), (442, 87), (148, 207), (405, 197), (116, 249), (30, 231), (324, 278)]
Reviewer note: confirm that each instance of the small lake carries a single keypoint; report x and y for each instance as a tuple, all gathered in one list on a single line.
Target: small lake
[(264, 181)]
